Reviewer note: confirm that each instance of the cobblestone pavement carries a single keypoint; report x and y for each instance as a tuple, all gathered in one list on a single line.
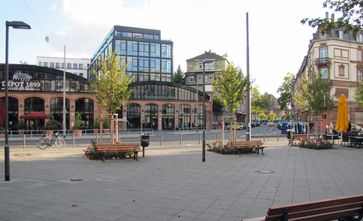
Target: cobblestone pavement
[(172, 183)]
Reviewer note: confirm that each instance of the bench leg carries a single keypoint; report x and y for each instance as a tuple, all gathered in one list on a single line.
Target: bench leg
[(262, 150)]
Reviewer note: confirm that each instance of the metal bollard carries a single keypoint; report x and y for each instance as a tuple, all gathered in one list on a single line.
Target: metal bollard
[(181, 138), (161, 139), (200, 137), (74, 141), (24, 141), (96, 137), (278, 137), (264, 137)]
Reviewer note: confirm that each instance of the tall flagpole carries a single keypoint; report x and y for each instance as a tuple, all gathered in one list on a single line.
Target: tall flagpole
[(248, 131)]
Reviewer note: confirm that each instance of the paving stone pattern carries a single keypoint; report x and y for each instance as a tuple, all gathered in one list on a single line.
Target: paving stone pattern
[(172, 183)]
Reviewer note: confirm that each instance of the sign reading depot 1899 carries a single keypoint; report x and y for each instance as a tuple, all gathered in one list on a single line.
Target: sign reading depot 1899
[(21, 81)]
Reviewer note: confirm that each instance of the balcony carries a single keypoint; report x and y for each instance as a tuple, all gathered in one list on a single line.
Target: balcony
[(322, 61)]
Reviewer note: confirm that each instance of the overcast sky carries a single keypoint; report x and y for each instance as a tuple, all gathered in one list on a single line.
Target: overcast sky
[(278, 42)]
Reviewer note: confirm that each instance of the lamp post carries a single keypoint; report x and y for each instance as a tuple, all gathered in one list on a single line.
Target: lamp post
[(64, 122), (15, 25), (204, 110)]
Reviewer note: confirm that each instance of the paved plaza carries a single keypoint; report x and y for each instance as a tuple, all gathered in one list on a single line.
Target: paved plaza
[(172, 183)]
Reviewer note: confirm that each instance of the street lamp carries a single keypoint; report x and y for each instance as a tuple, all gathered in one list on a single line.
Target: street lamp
[(204, 110), (15, 25), (64, 122)]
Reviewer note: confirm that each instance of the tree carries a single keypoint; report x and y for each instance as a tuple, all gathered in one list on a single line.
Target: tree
[(359, 95), (111, 85), (218, 106), (178, 76), (271, 116), (349, 21), (259, 102), (230, 88), (285, 91), (313, 96)]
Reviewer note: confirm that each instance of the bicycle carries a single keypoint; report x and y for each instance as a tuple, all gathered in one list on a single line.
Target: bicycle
[(46, 141)]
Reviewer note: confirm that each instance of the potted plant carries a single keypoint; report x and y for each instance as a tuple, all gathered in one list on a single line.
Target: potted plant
[(106, 126), (78, 124), (51, 125), (96, 126), (21, 127)]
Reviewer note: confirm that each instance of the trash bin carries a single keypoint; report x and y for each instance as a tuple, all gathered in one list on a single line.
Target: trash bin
[(145, 140)]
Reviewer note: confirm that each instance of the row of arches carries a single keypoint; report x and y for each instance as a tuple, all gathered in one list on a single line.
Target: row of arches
[(84, 106)]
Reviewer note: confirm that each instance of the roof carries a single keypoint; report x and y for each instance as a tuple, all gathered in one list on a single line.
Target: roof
[(207, 55)]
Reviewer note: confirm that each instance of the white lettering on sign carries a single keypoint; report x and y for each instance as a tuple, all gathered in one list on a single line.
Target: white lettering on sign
[(21, 81)]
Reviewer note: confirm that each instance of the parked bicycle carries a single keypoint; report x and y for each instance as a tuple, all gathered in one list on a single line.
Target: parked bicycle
[(46, 141)]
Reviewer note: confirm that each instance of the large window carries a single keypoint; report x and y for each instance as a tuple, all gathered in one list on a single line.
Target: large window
[(84, 106), (131, 63), (323, 52), (133, 116), (154, 50), (151, 117), (132, 48), (324, 72), (154, 65), (166, 66), (144, 49), (56, 109), (168, 117), (166, 51), (144, 64)]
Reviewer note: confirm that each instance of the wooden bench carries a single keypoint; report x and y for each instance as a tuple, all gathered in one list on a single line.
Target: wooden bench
[(133, 148), (341, 208), (248, 144)]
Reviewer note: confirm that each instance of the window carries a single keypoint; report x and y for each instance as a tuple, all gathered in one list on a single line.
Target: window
[(144, 49), (51, 64), (323, 52), (74, 66), (117, 47), (62, 65), (154, 65), (80, 66), (144, 64), (360, 55), (137, 35), (40, 63), (131, 48), (156, 37), (45, 64), (154, 50), (360, 75), (148, 36), (69, 65), (166, 66), (126, 34), (165, 51), (324, 72), (191, 78), (341, 70), (57, 65), (123, 47), (359, 37), (132, 64)]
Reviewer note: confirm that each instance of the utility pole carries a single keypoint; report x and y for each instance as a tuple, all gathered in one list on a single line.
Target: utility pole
[(248, 131)]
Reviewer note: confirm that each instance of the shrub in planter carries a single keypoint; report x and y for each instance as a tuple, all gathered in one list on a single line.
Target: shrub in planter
[(51, 125), (78, 124), (21, 126), (318, 145)]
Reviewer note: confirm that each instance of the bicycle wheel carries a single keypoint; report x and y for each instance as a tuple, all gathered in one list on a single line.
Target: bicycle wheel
[(42, 144)]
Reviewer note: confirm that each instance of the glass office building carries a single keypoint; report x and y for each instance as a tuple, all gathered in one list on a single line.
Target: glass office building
[(156, 103), (148, 58)]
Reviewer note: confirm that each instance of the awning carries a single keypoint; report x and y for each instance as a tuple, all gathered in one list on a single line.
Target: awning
[(34, 116)]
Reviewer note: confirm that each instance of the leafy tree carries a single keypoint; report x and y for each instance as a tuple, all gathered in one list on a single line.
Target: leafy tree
[(359, 95), (271, 116), (218, 106), (285, 91), (313, 96), (259, 102), (350, 19), (179, 76), (230, 88), (111, 85), (262, 116)]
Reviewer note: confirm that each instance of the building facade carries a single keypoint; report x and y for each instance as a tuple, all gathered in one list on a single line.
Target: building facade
[(338, 57), (40, 89), (194, 74), (77, 66), (156, 103)]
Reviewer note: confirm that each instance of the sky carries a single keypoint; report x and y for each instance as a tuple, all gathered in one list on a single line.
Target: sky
[(278, 41)]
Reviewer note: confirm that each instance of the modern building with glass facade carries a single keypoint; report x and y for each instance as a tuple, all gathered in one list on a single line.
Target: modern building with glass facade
[(40, 89), (156, 103)]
